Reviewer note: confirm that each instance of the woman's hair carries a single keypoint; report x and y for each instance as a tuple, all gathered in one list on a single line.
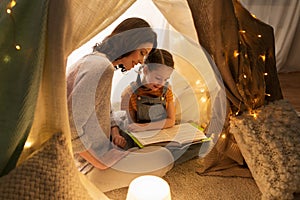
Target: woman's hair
[(159, 57), (126, 38)]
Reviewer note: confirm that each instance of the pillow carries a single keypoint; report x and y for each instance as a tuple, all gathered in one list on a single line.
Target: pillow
[(270, 144), (49, 174)]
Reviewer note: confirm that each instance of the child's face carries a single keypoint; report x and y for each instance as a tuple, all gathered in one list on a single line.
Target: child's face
[(157, 78)]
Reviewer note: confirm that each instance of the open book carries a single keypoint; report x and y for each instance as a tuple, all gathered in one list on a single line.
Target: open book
[(177, 136)]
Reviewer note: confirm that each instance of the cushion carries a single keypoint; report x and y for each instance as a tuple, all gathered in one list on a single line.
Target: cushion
[(50, 173), (270, 144)]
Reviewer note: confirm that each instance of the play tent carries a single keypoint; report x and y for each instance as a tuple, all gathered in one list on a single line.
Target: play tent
[(37, 38)]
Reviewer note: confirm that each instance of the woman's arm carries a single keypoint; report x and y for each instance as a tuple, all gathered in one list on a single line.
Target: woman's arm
[(106, 160), (91, 159), (126, 105), (117, 139)]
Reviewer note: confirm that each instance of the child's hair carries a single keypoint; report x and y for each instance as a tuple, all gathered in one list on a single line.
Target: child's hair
[(159, 57), (126, 38)]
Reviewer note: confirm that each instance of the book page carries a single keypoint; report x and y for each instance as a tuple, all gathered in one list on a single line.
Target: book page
[(181, 133)]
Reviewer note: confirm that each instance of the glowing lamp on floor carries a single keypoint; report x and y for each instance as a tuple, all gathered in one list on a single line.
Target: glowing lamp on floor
[(148, 187)]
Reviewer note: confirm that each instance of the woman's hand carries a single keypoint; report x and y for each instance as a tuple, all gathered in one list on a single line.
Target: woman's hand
[(117, 139)]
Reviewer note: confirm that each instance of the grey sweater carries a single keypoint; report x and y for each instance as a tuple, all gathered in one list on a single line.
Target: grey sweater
[(88, 91)]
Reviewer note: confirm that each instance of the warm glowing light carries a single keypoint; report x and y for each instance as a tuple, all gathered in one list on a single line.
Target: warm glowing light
[(253, 16), (12, 3), (223, 136), (237, 113), (148, 187), (254, 114), (242, 31), (236, 53), (198, 82), (18, 47), (245, 76), (203, 99), (202, 90), (6, 59), (263, 57), (8, 10), (259, 36), (268, 95), (27, 145), (266, 74)]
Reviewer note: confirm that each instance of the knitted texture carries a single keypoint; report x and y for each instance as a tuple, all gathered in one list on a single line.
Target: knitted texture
[(270, 145), (49, 174)]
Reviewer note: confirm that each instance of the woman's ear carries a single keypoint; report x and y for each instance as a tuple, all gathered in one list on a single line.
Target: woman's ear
[(145, 69)]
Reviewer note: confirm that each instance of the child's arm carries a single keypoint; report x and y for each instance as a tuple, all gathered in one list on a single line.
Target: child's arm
[(165, 123)]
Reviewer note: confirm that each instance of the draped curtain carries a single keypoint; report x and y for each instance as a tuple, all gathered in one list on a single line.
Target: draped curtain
[(243, 50), (284, 17), (33, 83)]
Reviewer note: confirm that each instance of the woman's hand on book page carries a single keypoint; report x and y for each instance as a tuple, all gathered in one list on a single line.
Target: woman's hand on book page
[(118, 139)]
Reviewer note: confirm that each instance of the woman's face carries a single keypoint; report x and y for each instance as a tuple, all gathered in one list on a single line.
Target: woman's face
[(137, 56), (156, 78)]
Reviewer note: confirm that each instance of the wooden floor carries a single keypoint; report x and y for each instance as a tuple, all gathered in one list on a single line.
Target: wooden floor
[(290, 87)]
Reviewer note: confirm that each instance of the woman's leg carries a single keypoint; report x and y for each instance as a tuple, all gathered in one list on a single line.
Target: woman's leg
[(152, 160)]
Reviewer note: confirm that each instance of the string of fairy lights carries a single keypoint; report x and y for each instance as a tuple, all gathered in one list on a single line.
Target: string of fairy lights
[(9, 11), (236, 53), (262, 56)]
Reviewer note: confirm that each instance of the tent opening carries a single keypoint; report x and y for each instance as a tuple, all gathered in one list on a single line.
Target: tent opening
[(196, 85)]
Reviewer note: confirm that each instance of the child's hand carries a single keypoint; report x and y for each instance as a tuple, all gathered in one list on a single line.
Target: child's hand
[(135, 127)]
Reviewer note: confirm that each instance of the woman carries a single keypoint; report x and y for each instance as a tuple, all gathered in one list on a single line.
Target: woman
[(89, 88)]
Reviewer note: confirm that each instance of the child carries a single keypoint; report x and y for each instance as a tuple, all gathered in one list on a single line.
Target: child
[(149, 102)]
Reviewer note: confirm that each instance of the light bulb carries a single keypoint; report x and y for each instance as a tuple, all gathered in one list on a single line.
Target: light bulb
[(236, 53), (263, 57), (18, 47), (27, 145), (203, 99), (12, 3)]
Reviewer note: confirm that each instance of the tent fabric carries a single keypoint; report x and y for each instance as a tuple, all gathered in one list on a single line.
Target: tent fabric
[(243, 75), (20, 76), (220, 26), (183, 22), (65, 18), (33, 86), (284, 17)]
